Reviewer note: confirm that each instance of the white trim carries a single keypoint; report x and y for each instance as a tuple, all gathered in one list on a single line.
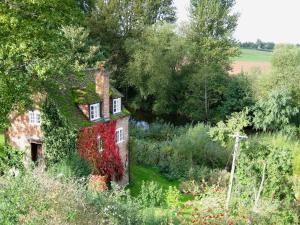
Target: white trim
[(119, 135), (34, 117), (95, 111), (117, 105)]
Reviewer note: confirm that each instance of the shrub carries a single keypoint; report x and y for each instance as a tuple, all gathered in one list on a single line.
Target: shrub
[(10, 158), (151, 194), (275, 111), (178, 156), (36, 198), (172, 197), (71, 167), (116, 206)]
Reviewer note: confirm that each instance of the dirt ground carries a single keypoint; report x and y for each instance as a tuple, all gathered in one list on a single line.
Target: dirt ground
[(248, 66)]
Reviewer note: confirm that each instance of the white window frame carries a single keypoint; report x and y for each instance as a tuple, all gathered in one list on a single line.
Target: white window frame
[(34, 117), (117, 105), (100, 144), (119, 135), (95, 111)]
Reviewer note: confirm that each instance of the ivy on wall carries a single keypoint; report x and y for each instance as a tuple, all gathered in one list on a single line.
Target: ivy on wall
[(59, 137), (108, 162)]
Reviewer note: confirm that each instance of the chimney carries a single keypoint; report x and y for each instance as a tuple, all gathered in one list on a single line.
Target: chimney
[(102, 89)]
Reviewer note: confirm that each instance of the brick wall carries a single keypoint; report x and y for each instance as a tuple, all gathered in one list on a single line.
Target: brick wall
[(20, 133), (123, 147), (102, 89), (85, 110)]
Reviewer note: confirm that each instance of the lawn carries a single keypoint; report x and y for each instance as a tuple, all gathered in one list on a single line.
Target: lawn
[(254, 56), (140, 173)]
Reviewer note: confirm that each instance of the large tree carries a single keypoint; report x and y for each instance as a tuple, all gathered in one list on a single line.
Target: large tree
[(113, 22), (36, 46)]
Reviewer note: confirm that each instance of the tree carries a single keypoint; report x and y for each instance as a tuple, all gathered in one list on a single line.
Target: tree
[(113, 22), (34, 48), (155, 69), (274, 112)]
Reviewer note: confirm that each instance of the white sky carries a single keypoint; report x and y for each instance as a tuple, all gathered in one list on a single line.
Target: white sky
[(269, 20)]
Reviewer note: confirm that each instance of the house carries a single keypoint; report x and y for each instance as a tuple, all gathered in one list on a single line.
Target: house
[(93, 108)]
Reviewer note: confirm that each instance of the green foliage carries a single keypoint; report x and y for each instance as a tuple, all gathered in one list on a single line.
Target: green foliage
[(274, 112), (71, 167), (117, 206), (172, 197), (34, 48), (278, 161), (151, 194), (60, 139), (113, 22), (10, 158), (176, 157), (235, 123), (156, 73), (35, 198)]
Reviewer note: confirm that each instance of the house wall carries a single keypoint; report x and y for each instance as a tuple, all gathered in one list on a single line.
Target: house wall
[(20, 133), (85, 110), (123, 147)]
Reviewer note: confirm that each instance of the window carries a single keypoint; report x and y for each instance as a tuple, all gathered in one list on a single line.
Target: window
[(119, 135), (95, 111), (34, 117), (100, 145), (116, 105)]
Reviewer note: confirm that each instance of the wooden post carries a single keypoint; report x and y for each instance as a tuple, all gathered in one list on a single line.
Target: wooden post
[(238, 138)]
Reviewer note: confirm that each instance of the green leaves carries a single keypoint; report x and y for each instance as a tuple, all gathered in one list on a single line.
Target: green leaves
[(275, 111)]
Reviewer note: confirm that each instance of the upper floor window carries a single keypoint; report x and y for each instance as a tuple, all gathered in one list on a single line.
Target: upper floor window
[(34, 117), (100, 145), (95, 111), (116, 105), (119, 135)]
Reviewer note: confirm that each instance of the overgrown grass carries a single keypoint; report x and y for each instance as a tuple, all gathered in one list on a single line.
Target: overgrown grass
[(254, 55), (140, 174)]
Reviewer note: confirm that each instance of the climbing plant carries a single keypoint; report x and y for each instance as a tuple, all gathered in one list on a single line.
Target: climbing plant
[(59, 137), (108, 161)]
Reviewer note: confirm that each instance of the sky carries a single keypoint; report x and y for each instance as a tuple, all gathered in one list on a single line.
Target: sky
[(268, 20)]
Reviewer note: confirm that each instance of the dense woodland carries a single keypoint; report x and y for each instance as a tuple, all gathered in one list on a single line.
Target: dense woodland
[(176, 77)]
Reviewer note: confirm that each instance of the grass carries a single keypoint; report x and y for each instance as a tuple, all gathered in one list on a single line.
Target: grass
[(254, 56), (140, 173)]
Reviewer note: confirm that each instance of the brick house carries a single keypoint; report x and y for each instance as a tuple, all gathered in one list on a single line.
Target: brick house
[(85, 103)]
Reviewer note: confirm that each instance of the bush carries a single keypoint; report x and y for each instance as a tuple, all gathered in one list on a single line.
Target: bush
[(71, 167), (178, 156), (10, 159), (151, 195), (36, 198), (172, 197), (275, 111)]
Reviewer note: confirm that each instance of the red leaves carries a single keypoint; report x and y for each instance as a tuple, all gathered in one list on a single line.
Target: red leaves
[(108, 163)]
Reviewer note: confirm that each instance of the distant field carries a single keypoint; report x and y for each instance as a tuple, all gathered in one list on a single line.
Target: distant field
[(254, 56), (251, 60)]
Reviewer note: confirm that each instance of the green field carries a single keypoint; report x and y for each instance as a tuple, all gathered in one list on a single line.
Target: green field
[(254, 56)]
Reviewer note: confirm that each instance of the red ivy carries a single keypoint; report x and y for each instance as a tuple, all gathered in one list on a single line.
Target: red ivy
[(108, 163)]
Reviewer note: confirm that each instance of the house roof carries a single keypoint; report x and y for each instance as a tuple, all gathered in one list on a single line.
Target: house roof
[(76, 90)]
